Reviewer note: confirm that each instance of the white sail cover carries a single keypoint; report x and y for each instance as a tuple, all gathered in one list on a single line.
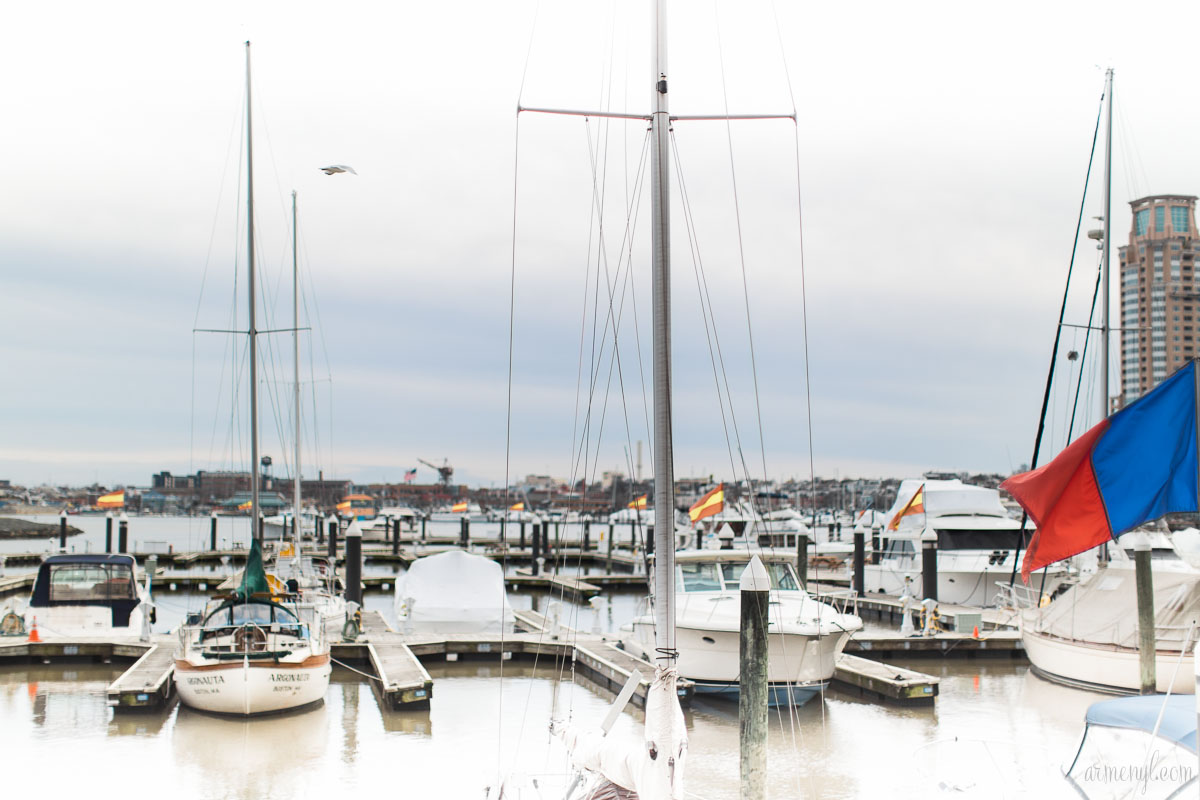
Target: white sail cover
[(653, 768), (453, 592)]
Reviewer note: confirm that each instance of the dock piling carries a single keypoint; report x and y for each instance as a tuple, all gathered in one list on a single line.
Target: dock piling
[(123, 534), (354, 562), (929, 580), (108, 520), (522, 534), (587, 534), (62, 530), (860, 537), (537, 546), (333, 532), (396, 538), (212, 531), (752, 685), (802, 559), (1147, 642)]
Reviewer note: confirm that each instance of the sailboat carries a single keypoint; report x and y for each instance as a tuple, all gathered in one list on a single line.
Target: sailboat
[(256, 650), (1091, 635)]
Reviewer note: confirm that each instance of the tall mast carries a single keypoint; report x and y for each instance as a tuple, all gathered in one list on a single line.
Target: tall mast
[(296, 374), (664, 472), (253, 331), (1105, 275)]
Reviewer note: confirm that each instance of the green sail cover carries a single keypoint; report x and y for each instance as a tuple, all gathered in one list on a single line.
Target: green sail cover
[(254, 578)]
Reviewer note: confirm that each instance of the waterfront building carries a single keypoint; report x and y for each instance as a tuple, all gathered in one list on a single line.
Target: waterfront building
[(1160, 292)]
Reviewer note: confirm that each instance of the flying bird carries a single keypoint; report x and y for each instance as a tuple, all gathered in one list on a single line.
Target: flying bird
[(334, 169)]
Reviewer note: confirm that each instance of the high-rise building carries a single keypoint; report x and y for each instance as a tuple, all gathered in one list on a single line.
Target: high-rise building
[(1160, 292)]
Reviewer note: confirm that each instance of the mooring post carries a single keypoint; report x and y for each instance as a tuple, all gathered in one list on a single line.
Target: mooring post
[(752, 683), (700, 537), (546, 552), (502, 520), (876, 544), (860, 537), (1147, 641), (396, 539), (212, 531), (123, 533), (333, 532), (354, 593), (537, 545), (108, 518), (929, 578), (464, 532), (802, 558), (587, 534), (612, 531), (522, 534), (62, 530)]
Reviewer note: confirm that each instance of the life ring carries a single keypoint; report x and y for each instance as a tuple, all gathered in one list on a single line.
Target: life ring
[(12, 625), (250, 639)]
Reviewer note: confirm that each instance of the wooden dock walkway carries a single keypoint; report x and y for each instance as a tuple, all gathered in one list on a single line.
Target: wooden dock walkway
[(148, 685), (884, 682)]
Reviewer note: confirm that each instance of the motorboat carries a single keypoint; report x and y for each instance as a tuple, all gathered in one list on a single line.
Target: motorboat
[(1141, 747), (279, 526), (90, 595), (253, 651), (1088, 636), (453, 592), (805, 639), (379, 529), (977, 544)]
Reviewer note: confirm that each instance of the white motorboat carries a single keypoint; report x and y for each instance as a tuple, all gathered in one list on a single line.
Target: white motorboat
[(90, 595), (280, 526), (453, 592), (1088, 636), (379, 529), (806, 636), (977, 543)]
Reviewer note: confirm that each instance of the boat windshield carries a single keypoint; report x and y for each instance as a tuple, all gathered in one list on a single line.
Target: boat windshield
[(84, 583), (243, 613), (781, 575)]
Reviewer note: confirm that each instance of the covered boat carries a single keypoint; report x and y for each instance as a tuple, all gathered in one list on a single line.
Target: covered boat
[(1137, 747), (453, 592)]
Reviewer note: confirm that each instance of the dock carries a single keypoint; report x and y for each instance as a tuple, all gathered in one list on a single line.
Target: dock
[(148, 684), (880, 681)]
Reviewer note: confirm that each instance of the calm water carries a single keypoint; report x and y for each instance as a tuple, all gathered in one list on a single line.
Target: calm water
[(997, 730)]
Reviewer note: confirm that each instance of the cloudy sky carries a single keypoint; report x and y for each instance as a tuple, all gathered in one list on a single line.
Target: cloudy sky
[(942, 151)]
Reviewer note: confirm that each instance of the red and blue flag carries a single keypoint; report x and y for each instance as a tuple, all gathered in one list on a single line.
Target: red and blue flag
[(1132, 468)]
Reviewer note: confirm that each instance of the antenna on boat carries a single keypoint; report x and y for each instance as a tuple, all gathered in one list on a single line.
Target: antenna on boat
[(252, 331)]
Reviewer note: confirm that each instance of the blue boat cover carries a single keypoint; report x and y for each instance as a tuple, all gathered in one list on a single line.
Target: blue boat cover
[(1141, 713)]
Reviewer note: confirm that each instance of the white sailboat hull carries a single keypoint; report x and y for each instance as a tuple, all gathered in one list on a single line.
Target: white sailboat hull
[(249, 687), (1105, 667)]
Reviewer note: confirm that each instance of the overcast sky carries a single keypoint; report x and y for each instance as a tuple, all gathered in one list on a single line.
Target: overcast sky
[(942, 153)]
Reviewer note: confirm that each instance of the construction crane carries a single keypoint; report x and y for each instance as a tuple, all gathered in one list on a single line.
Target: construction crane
[(445, 471)]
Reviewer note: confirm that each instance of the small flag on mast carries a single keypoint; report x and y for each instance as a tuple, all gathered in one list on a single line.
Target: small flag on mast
[(459, 508), (712, 503), (640, 503), (517, 506), (914, 506)]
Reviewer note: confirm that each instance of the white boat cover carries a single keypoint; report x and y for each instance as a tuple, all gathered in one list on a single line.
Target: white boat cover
[(455, 592), (1103, 609), (653, 768)]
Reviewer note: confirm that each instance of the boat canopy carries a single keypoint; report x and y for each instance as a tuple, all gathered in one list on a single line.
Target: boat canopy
[(106, 580), (1141, 713)]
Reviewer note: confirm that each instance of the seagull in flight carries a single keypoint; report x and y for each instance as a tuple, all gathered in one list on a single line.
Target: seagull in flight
[(334, 169)]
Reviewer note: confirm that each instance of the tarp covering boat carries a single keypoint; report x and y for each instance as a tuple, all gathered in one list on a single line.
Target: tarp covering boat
[(454, 592)]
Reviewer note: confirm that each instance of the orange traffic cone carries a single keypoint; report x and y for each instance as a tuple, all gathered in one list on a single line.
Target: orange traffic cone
[(975, 632), (33, 634)]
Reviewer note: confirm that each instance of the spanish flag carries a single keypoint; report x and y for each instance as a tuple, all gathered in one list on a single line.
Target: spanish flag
[(915, 506), (112, 500), (639, 503), (459, 507), (712, 503), (515, 506), (246, 506), (343, 506)]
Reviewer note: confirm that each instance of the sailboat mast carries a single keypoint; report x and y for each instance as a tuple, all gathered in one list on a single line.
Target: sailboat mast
[(1105, 274), (296, 374), (664, 472), (252, 332)]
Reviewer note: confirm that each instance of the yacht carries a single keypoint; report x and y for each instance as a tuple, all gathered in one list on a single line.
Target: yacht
[(806, 636), (279, 526), (1088, 637), (90, 595), (977, 544), (253, 651)]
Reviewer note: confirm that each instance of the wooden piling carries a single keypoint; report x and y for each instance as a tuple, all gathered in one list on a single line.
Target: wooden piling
[(929, 579), (333, 533), (802, 559), (62, 530), (354, 564), (396, 538), (123, 534), (1147, 641), (752, 683), (860, 537), (108, 520), (212, 532)]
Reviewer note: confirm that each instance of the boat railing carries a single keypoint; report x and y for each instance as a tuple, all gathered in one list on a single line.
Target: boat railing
[(843, 601), (1019, 596)]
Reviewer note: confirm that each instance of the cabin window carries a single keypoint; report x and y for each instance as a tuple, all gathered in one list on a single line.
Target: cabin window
[(900, 547), (75, 583), (699, 577), (781, 576)]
